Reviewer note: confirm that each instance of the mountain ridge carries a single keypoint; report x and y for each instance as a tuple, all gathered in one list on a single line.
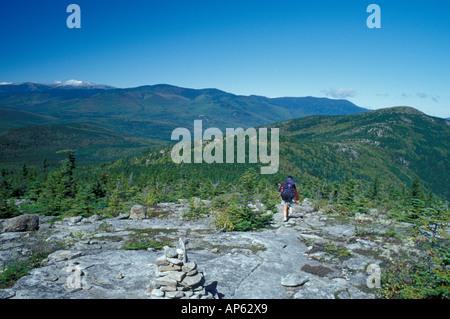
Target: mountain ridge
[(154, 111), (394, 144), (41, 87)]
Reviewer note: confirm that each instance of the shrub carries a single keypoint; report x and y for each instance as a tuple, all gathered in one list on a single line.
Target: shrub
[(241, 218), (196, 210), (143, 244), (271, 198), (414, 281), (319, 270)]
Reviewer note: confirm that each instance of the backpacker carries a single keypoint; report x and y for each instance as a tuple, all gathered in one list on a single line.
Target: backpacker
[(288, 192)]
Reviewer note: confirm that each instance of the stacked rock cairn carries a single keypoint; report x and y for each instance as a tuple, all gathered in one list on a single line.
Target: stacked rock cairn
[(178, 278)]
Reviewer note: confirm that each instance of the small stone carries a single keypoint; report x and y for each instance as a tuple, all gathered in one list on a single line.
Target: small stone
[(73, 220), (175, 261), (168, 288), (158, 293), (313, 238), (162, 261), (192, 272), (201, 291), (169, 268), (160, 273), (294, 280), (171, 253), (191, 265), (215, 250), (192, 281), (61, 255), (166, 281), (177, 275), (175, 294)]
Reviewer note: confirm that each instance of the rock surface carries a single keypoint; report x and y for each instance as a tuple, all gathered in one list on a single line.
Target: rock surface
[(313, 255), (21, 223)]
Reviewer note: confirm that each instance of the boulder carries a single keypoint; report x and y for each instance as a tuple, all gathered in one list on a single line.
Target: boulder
[(72, 220), (7, 293), (123, 216), (21, 223), (138, 212), (94, 218)]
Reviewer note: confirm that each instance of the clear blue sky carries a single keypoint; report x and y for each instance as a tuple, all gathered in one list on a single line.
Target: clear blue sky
[(270, 48)]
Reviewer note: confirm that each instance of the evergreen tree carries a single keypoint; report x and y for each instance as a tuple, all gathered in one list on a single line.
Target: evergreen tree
[(59, 187), (417, 198), (7, 207), (373, 193), (44, 165)]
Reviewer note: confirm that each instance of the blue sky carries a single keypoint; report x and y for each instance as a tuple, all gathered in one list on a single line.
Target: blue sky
[(270, 48)]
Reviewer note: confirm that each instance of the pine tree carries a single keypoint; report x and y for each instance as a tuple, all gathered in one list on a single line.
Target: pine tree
[(68, 174), (44, 165), (373, 194), (7, 207), (417, 198), (59, 188)]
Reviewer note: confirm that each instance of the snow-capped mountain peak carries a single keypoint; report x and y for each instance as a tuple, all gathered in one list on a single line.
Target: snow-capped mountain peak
[(74, 83), (59, 85), (80, 84)]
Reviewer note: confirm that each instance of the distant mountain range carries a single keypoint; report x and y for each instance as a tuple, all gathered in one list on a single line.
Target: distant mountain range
[(153, 111), (40, 87)]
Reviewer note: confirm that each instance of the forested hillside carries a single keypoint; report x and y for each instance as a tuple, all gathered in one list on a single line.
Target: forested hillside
[(393, 145), (379, 155), (92, 144)]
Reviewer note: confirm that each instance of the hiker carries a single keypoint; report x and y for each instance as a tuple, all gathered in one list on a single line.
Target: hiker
[(288, 191)]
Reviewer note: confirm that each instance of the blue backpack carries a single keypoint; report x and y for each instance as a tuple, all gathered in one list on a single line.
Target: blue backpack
[(288, 192)]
